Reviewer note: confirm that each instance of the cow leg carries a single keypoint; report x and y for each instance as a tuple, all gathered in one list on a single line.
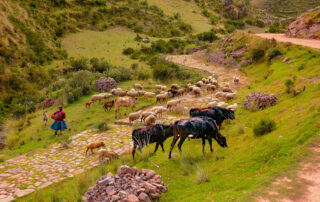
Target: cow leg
[(162, 147), (172, 145), (182, 139), (210, 143), (203, 145), (156, 148), (134, 150)]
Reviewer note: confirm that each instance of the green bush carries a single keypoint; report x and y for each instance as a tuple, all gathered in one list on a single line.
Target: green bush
[(207, 36), (120, 73), (99, 65), (274, 52), (127, 51), (165, 71), (103, 126), (264, 126), (143, 75), (79, 63), (289, 85), (260, 23)]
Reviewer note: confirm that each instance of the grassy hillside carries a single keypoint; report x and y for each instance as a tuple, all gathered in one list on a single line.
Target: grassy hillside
[(243, 170), (286, 8)]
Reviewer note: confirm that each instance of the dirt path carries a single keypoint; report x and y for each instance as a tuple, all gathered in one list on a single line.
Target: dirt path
[(312, 43)]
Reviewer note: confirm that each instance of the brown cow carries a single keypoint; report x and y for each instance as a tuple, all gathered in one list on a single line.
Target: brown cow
[(88, 104), (125, 102)]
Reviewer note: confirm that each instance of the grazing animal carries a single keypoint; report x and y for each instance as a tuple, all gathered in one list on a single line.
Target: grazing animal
[(199, 127), (124, 102), (94, 145), (213, 104), (163, 88), (132, 93), (185, 110), (199, 84), (134, 116), (144, 115), (181, 91), (149, 95), (226, 89), (236, 80), (172, 103), (233, 107), (230, 96), (222, 105), (216, 113), (108, 105), (138, 86), (174, 92), (107, 153), (162, 97), (141, 92), (88, 104), (158, 87), (100, 97), (159, 110), (175, 86), (151, 119), (196, 91), (157, 133)]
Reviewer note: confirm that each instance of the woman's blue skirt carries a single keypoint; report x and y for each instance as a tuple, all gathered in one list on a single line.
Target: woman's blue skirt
[(59, 125)]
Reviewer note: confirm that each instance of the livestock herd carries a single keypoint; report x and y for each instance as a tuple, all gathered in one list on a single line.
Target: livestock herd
[(204, 123)]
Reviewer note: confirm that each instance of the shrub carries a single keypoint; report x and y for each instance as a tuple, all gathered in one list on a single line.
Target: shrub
[(143, 75), (274, 52), (127, 51), (264, 126), (259, 23), (99, 65), (79, 63), (165, 71), (289, 85), (65, 140), (134, 66), (120, 73), (207, 36), (202, 175), (103, 126)]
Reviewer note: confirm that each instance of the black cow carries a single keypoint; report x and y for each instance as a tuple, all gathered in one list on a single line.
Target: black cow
[(216, 113), (156, 133), (200, 127)]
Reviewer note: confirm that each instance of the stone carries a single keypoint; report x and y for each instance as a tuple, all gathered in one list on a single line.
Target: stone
[(104, 84), (22, 192), (6, 198), (3, 184), (144, 197), (149, 187), (154, 195), (285, 60), (174, 155), (132, 198), (115, 198), (148, 173), (122, 170), (112, 192)]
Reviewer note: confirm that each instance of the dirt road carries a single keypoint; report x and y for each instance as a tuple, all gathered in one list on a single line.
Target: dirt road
[(312, 43)]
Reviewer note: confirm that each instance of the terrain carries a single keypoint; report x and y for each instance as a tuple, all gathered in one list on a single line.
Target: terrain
[(58, 49)]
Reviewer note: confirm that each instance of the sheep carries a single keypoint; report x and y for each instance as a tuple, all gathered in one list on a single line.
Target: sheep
[(233, 107), (236, 80), (226, 89), (107, 153), (162, 97), (185, 111), (159, 110), (196, 91), (175, 86), (141, 92), (132, 93), (214, 82), (227, 85), (157, 87), (120, 93), (144, 115), (181, 91), (163, 88), (172, 103), (211, 87), (134, 116), (190, 87), (213, 104), (94, 145), (137, 86), (210, 77), (220, 94), (222, 104), (149, 95), (151, 119), (100, 97), (199, 84), (230, 96)]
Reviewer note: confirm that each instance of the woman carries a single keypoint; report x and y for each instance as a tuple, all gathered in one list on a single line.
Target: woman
[(59, 123)]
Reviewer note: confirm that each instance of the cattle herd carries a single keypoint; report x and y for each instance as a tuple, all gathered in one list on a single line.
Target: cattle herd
[(204, 123)]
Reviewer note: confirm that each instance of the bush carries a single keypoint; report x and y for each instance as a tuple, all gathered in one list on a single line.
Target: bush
[(127, 51), (207, 36), (103, 126), (264, 126), (65, 140), (143, 76), (79, 63), (274, 52), (120, 73), (99, 65), (202, 175), (260, 23), (165, 71), (289, 85)]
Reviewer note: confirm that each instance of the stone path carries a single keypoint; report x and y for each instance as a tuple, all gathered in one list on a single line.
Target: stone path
[(38, 169)]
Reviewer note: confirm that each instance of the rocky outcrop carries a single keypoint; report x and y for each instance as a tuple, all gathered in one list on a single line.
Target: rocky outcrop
[(306, 26), (235, 11), (259, 101), (105, 84), (130, 184)]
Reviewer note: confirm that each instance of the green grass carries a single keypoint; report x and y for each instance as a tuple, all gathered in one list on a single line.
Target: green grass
[(108, 44), (244, 169), (188, 10)]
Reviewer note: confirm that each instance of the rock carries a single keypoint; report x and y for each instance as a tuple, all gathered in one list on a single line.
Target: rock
[(148, 173), (149, 187), (306, 26), (115, 197), (105, 84), (112, 192), (20, 192), (132, 198), (174, 155), (144, 197), (285, 60), (155, 195), (6, 198), (3, 185), (122, 170)]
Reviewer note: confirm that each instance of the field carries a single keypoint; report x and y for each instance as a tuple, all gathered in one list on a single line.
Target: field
[(188, 10), (244, 170), (108, 44)]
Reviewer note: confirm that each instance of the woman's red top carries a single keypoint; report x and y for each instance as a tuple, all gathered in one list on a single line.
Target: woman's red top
[(62, 116)]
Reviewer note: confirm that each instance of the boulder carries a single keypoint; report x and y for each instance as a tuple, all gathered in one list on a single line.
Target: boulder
[(306, 26), (105, 84)]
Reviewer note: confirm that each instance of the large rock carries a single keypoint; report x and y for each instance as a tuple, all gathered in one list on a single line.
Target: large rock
[(105, 84), (306, 25)]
